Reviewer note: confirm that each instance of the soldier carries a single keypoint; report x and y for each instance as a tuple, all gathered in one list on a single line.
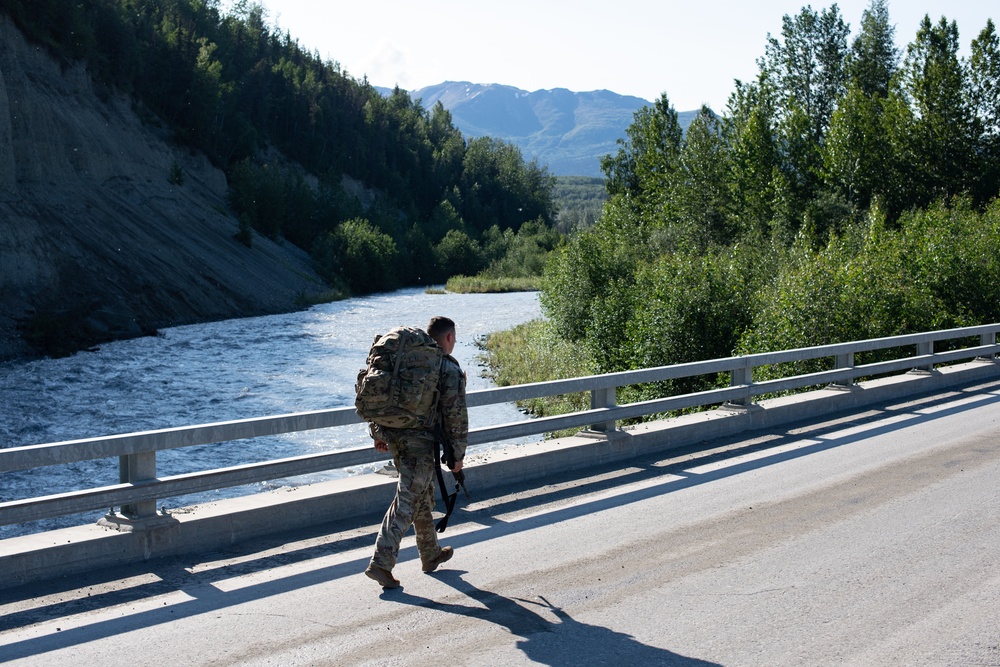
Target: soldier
[(413, 451)]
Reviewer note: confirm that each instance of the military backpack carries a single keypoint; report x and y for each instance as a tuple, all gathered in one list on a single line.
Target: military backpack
[(398, 388)]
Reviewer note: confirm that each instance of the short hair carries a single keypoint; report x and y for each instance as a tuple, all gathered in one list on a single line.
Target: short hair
[(440, 326)]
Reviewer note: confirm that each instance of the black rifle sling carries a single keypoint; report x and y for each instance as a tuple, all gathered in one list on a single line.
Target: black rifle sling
[(449, 500)]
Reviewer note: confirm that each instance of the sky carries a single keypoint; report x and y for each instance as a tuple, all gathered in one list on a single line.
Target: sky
[(691, 50)]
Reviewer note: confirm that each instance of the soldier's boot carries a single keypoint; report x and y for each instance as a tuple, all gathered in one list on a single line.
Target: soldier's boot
[(444, 555), (382, 576)]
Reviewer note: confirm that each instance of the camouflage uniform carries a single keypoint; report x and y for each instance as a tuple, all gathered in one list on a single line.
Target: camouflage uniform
[(413, 453)]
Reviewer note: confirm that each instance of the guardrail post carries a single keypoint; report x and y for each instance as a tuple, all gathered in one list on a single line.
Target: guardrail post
[(925, 348), (740, 377), (604, 397), (988, 339), (845, 360), (135, 468)]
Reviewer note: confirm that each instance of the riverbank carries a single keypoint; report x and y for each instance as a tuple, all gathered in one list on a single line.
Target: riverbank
[(108, 229), (532, 352)]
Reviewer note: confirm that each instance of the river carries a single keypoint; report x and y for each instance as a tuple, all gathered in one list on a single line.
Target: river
[(220, 371)]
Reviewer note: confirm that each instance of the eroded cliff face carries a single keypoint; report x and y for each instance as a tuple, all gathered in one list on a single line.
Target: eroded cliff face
[(96, 242)]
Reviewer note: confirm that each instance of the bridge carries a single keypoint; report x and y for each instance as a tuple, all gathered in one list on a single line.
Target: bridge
[(851, 524)]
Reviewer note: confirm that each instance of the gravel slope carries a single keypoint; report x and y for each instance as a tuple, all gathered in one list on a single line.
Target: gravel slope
[(96, 243)]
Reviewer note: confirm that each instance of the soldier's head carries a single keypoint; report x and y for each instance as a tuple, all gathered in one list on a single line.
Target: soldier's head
[(442, 330)]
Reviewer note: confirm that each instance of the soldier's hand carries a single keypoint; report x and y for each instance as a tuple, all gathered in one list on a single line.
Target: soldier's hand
[(381, 446), (457, 467)]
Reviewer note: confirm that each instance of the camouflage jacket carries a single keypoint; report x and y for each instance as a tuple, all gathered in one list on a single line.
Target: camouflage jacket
[(452, 412), (452, 409)]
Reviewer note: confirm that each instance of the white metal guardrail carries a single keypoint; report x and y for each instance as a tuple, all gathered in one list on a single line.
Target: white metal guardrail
[(140, 488)]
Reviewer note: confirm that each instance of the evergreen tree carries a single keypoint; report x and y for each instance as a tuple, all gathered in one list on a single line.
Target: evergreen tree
[(644, 166), (941, 151), (701, 196), (873, 59), (806, 70), (857, 153), (754, 177), (984, 80)]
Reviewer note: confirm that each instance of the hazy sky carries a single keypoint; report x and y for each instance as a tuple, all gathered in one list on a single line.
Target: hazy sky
[(692, 50)]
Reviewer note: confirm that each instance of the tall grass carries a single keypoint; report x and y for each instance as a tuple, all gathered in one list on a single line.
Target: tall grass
[(481, 284), (531, 352)]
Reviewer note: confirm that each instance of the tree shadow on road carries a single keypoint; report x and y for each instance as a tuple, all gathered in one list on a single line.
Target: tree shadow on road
[(561, 641)]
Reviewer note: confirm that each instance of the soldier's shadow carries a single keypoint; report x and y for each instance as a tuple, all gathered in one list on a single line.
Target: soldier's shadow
[(563, 642)]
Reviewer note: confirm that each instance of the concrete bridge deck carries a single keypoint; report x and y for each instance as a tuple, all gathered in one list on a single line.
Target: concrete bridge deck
[(870, 539)]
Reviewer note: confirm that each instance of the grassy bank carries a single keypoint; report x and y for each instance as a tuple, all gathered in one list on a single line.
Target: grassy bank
[(482, 284), (531, 352)]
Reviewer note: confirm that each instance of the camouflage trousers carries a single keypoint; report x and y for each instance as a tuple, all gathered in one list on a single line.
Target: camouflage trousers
[(413, 504)]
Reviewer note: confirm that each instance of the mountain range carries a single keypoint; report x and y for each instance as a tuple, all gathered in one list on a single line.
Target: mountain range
[(567, 131)]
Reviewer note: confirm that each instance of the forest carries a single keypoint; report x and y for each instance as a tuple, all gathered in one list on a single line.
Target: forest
[(848, 192), (382, 192)]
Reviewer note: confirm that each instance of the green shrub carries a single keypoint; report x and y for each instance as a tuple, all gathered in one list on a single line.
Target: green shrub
[(523, 254), (359, 255), (458, 253), (872, 282), (687, 307), (580, 275)]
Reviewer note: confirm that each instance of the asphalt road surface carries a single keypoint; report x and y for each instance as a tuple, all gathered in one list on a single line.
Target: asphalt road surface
[(871, 539)]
